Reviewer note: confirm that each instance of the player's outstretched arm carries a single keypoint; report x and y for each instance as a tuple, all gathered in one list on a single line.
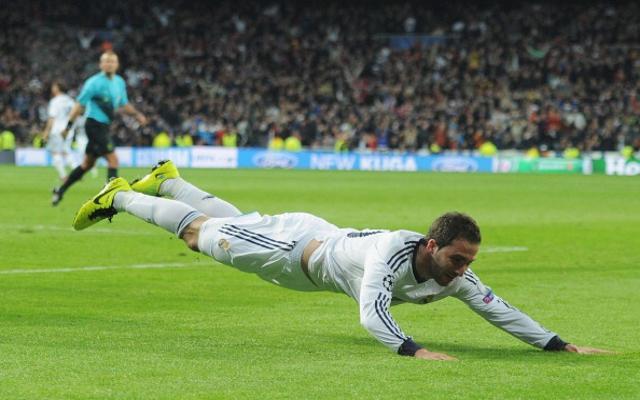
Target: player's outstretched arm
[(431, 355), (498, 312)]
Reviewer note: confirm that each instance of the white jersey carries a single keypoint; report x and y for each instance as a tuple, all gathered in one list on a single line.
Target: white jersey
[(59, 109), (374, 267)]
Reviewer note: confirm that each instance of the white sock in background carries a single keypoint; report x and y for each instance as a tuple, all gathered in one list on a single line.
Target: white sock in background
[(171, 215), (202, 201), (69, 161)]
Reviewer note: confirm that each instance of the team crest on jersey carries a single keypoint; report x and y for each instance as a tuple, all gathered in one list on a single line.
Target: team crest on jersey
[(224, 244), (488, 298)]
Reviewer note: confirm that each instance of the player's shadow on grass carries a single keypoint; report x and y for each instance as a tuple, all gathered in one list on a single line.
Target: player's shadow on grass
[(462, 351)]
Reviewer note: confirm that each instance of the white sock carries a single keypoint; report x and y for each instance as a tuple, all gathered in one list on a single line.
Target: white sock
[(202, 201), (58, 164), (171, 215)]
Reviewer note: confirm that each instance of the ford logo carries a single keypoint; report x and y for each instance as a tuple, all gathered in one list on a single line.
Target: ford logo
[(275, 160), (454, 164)]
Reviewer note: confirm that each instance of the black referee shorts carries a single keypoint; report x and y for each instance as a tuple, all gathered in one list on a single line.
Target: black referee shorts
[(99, 138)]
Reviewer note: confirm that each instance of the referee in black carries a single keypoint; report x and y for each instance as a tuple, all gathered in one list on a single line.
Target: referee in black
[(101, 95)]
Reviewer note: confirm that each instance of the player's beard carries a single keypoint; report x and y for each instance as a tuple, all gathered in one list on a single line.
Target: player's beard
[(438, 272)]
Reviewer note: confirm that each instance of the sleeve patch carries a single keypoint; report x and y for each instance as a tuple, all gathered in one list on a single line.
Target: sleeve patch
[(488, 297), (387, 282)]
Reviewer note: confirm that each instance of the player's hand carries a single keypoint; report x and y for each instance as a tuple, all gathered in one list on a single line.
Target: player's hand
[(429, 355), (571, 348)]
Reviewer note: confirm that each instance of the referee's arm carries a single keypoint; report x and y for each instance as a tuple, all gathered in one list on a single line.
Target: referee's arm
[(127, 107), (131, 110)]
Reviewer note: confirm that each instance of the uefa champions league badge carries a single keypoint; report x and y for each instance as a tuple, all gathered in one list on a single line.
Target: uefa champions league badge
[(488, 298)]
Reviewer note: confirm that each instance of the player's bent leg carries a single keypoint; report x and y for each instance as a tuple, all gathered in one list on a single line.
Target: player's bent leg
[(164, 180)]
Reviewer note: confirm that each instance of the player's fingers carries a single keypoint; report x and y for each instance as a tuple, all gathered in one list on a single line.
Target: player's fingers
[(591, 350), (572, 348)]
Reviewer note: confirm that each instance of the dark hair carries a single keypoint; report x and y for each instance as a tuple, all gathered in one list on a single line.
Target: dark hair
[(454, 225), (60, 84)]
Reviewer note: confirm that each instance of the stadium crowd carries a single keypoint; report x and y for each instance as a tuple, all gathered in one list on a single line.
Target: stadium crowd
[(341, 75)]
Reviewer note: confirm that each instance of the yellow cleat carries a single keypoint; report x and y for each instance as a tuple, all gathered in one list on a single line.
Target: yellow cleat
[(100, 206), (150, 183)]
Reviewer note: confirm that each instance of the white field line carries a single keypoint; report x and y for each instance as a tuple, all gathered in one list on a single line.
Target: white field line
[(96, 268), (18, 271), (503, 249), (488, 249), (56, 228)]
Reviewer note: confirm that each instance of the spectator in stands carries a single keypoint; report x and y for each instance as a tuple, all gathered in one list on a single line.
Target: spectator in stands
[(519, 76)]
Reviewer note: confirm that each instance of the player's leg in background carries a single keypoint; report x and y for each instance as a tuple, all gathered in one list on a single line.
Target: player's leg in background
[(81, 141), (112, 165), (58, 163), (164, 180), (67, 152), (68, 160), (74, 176), (55, 147)]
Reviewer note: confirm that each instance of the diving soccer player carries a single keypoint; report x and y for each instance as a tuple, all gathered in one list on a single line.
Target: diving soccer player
[(377, 268)]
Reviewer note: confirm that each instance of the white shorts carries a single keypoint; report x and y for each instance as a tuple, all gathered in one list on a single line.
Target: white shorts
[(269, 246), (57, 144)]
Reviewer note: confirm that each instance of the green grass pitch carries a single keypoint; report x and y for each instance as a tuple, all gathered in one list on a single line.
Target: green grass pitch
[(125, 311)]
